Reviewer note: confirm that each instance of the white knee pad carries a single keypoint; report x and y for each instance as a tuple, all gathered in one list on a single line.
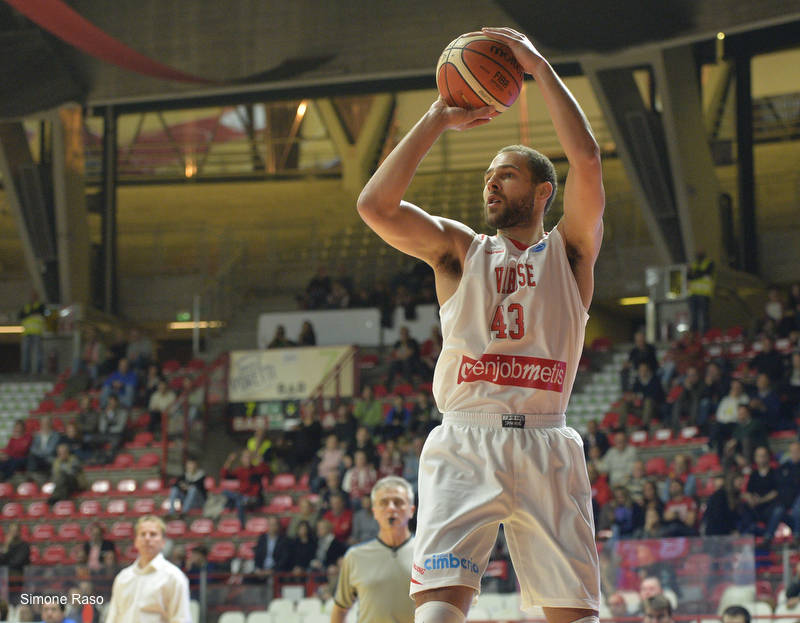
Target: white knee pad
[(438, 612)]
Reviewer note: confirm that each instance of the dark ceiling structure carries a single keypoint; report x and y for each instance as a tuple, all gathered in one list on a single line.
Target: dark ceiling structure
[(252, 49)]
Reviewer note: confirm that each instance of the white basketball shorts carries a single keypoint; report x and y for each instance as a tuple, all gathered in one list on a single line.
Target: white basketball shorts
[(527, 472)]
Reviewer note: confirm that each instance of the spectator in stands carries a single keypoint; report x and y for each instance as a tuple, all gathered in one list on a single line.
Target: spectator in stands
[(712, 389), (761, 494), (390, 461), (303, 548), (307, 337), (273, 551), (765, 405), (365, 526), (723, 507), (363, 441), (306, 511), (340, 517), (339, 297), (737, 614), (680, 512), (333, 486), (791, 380), (651, 498), (14, 553), (413, 450), (749, 433), (189, 489), (32, 317), (773, 307), (346, 424), (635, 482), (618, 462), (404, 358), (149, 385), (430, 350), (621, 515), (14, 457), (249, 476), (397, 420), (279, 340), (617, 606), (425, 415), (360, 478), (111, 428), (54, 611), (96, 546), (329, 459), (196, 561), (657, 609), (367, 409), (140, 351), (160, 401), (92, 355), (318, 289), (42, 452), (787, 504), (681, 469), (793, 589), (67, 475), (726, 418), (195, 397), (594, 437), (653, 528), (87, 418), (601, 492), (25, 613), (700, 282), (329, 549), (685, 409), (305, 439), (121, 383), (77, 445), (646, 398), (768, 361), (642, 352), (260, 445)]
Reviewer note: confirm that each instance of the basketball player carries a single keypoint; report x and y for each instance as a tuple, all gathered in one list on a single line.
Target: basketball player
[(372, 571), (513, 311)]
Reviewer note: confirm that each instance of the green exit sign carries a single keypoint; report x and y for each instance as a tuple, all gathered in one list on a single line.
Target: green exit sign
[(183, 316)]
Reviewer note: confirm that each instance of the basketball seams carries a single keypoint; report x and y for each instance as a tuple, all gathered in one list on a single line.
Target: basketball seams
[(474, 83), (511, 75)]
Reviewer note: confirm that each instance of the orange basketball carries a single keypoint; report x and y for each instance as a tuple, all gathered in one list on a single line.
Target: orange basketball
[(477, 71)]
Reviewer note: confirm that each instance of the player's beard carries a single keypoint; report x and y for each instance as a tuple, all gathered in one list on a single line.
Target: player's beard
[(514, 213)]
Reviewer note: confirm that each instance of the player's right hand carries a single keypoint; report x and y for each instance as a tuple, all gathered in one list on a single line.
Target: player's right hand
[(461, 118)]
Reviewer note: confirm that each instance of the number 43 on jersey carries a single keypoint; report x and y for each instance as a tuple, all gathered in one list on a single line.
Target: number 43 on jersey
[(508, 322)]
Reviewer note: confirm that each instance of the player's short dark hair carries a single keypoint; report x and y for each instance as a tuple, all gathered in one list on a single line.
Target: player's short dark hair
[(541, 168), (737, 611)]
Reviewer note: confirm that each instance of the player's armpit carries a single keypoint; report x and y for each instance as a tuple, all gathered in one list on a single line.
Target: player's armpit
[(413, 231)]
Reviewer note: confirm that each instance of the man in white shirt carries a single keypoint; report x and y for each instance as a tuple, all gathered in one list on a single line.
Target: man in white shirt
[(618, 461), (152, 589)]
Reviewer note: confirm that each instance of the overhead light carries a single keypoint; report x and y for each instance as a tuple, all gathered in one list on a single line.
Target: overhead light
[(634, 300), (202, 324), (720, 35), (17, 328), (301, 109)]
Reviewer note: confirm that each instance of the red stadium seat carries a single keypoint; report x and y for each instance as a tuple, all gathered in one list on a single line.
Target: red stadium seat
[(246, 550), (45, 406), (638, 437), (228, 526), (12, 510), (129, 554), (48, 488), (150, 459), (176, 383), (42, 532), (662, 435), (68, 406), (196, 365), (101, 487), (282, 482), (304, 482), (36, 556), (38, 509), (117, 507), (144, 506), (708, 462), (153, 485), (27, 489), (90, 508), (6, 490), (656, 466), (404, 389), (64, 508), (123, 461), (121, 530), (142, 439), (280, 504), (601, 344), (171, 366), (255, 525), (54, 555), (222, 551), (126, 485), (229, 485), (380, 391), (610, 420), (201, 527), (69, 531), (175, 528)]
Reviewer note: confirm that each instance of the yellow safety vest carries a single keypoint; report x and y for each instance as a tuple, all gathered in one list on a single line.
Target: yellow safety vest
[(32, 320), (702, 285)]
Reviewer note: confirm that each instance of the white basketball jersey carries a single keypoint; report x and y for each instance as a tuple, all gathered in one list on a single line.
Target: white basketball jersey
[(513, 330)]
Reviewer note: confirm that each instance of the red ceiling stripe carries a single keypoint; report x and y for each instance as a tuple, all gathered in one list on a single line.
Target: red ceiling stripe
[(66, 24)]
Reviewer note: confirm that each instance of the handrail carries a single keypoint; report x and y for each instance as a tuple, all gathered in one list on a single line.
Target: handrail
[(317, 394)]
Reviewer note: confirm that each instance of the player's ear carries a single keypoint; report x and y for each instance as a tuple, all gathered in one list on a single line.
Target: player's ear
[(544, 190)]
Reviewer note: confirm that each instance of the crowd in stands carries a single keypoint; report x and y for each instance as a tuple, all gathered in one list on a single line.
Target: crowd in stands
[(740, 394)]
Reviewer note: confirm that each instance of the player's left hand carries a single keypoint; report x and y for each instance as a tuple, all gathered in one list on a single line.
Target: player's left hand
[(525, 52)]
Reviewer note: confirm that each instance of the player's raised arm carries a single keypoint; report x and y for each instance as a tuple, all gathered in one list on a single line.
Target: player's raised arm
[(401, 224), (584, 197)]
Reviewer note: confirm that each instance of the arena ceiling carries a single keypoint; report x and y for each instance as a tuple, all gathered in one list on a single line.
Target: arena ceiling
[(274, 49)]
